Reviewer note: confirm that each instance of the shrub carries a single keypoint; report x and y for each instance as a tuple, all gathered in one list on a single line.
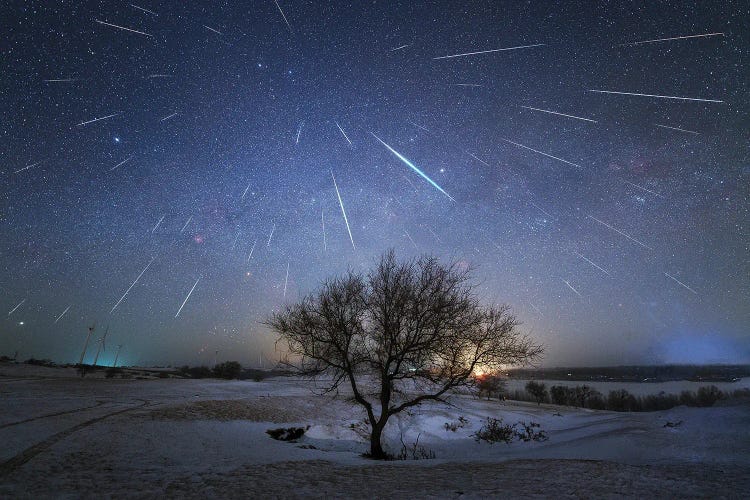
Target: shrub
[(622, 400), (228, 370), (196, 371), (414, 452), (112, 371), (560, 394), (489, 385), (494, 431), (287, 434), (538, 390), (458, 424), (529, 434), (708, 395)]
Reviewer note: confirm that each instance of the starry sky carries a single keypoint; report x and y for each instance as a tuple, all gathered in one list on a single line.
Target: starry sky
[(155, 152)]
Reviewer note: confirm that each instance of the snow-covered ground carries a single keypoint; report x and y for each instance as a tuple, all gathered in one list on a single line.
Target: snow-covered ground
[(64, 436)]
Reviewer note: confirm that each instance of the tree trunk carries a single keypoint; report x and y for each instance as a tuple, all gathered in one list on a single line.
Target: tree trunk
[(376, 448)]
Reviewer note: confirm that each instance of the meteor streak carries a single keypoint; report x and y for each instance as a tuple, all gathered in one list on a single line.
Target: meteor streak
[(542, 153), (60, 80), (299, 131), (245, 192), (559, 114), (63, 314), (344, 133), (268, 243), (479, 160), (343, 211), (673, 38), (620, 232), (488, 51), (282, 15), (131, 286), (144, 10), (465, 85), (410, 239), (251, 251), (168, 117), (286, 280), (675, 128), (401, 47), (235, 240), (655, 95), (413, 167), (323, 223), (97, 119), (643, 188), (28, 167), (571, 287), (123, 28), (590, 262), (541, 209), (680, 282), (157, 224), (14, 309), (156, 75), (186, 298), (123, 162), (211, 29), (186, 224), (419, 126), (536, 309)]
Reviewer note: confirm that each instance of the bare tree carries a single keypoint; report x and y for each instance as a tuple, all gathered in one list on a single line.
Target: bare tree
[(404, 334), (538, 390)]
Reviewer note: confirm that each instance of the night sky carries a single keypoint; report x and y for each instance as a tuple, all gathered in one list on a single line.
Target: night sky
[(196, 154)]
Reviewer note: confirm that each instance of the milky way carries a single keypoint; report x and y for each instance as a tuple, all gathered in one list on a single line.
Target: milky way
[(595, 156)]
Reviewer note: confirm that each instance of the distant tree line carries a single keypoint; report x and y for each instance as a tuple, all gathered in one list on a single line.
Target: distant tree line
[(584, 396)]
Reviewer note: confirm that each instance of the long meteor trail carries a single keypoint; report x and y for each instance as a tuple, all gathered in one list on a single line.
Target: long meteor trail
[(344, 133), (343, 211), (186, 298), (96, 120), (123, 162), (542, 153), (592, 263), (571, 287), (123, 28), (680, 282), (654, 95), (63, 314), (132, 285), (488, 51), (413, 167), (28, 167), (559, 114), (158, 223), (323, 223), (14, 309), (643, 188), (284, 16), (705, 35), (678, 129), (620, 232)]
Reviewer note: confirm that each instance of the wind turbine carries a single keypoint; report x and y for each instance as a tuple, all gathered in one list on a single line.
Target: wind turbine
[(86, 345), (101, 345), (117, 355)]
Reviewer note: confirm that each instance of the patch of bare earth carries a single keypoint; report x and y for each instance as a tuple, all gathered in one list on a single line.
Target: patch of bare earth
[(515, 479), (264, 409)]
